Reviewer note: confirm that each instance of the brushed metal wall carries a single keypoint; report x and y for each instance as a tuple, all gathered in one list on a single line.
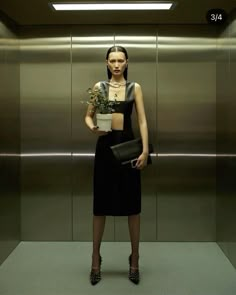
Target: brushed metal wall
[(9, 141), (186, 133), (176, 67), (226, 143), (46, 165)]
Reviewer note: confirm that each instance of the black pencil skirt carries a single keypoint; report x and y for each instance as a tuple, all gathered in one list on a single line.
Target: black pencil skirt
[(116, 189)]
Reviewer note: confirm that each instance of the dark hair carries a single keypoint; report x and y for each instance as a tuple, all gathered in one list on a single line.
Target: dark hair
[(117, 49)]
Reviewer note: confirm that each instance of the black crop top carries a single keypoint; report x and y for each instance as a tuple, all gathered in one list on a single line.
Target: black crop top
[(125, 106)]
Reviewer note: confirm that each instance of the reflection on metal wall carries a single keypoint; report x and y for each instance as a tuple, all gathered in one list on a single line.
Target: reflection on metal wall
[(46, 136), (186, 133), (226, 143), (176, 69), (9, 142)]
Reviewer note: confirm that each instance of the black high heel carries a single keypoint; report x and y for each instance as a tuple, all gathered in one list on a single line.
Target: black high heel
[(134, 276), (95, 276)]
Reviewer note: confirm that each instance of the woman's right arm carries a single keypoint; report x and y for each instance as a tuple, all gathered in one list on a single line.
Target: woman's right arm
[(91, 110), (89, 117), (90, 113)]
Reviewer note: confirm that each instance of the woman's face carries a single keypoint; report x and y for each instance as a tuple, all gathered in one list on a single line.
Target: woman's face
[(117, 63)]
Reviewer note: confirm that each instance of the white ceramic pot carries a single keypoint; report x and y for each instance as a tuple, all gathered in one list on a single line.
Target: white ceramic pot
[(104, 121)]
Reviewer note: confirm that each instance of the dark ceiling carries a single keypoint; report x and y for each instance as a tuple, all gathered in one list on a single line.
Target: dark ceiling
[(38, 12)]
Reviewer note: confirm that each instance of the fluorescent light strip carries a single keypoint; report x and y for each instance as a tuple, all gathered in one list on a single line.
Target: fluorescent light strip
[(92, 155), (112, 6)]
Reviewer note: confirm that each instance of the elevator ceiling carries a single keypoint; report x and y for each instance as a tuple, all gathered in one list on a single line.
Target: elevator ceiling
[(38, 12)]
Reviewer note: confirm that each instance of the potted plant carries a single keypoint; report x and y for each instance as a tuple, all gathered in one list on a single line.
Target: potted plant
[(104, 108)]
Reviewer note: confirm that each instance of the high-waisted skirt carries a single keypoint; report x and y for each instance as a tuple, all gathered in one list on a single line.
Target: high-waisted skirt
[(116, 188)]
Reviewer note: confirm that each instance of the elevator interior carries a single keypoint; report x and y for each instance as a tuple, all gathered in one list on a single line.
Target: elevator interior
[(46, 152)]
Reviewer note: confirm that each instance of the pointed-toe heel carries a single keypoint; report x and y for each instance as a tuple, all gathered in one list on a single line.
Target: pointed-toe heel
[(95, 274), (134, 276)]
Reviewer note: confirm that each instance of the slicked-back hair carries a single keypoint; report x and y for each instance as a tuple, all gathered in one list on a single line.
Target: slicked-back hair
[(117, 49)]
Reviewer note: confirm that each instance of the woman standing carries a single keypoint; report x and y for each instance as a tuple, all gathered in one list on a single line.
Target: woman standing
[(117, 189)]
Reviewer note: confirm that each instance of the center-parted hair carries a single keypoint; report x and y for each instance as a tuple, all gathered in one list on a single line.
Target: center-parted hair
[(117, 49)]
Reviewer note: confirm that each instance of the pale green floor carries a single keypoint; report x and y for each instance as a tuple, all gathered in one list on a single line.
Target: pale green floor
[(62, 268)]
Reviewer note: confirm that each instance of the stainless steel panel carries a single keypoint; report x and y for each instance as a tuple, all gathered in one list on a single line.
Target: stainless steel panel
[(186, 133), (46, 206), (190, 217), (9, 141), (226, 143), (46, 176)]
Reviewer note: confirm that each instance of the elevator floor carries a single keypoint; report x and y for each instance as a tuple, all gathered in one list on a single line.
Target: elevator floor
[(62, 268)]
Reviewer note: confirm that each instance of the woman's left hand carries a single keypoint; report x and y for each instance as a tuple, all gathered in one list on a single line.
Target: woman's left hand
[(142, 161)]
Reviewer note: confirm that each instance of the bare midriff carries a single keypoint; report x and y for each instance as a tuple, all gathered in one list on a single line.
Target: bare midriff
[(117, 118), (117, 121)]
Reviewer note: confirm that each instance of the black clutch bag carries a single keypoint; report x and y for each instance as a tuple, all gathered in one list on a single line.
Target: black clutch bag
[(128, 152)]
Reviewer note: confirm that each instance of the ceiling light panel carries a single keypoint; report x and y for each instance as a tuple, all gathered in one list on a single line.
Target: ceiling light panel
[(112, 6)]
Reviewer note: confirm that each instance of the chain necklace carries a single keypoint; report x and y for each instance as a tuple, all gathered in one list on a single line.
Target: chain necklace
[(116, 84)]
